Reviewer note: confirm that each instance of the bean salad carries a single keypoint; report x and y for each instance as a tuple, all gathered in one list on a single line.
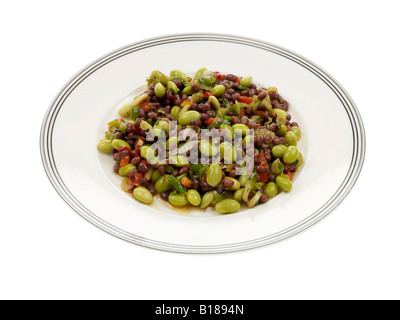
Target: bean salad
[(211, 140)]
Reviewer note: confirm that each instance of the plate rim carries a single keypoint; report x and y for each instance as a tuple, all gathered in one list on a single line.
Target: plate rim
[(357, 126)]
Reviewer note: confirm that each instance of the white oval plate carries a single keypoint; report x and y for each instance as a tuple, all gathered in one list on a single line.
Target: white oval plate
[(333, 144)]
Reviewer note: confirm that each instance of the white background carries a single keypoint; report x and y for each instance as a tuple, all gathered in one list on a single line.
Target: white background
[(48, 252)]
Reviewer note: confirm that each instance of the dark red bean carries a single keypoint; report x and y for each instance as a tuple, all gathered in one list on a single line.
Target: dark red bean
[(183, 170), (249, 111), (195, 87), (262, 95), (285, 105), (273, 94), (152, 115), (235, 86), (261, 107), (230, 91), (272, 127), (178, 83), (175, 173), (252, 92), (253, 86), (116, 167), (232, 174), (235, 96), (169, 94), (117, 156), (204, 117), (196, 123), (142, 114), (144, 182), (228, 183), (244, 92), (264, 198), (143, 167), (294, 124), (288, 117), (235, 120), (164, 195), (262, 169), (194, 106), (220, 189), (231, 77), (152, 86), (276, 140), (138, 121), (151, 189), (149, 92), (136, 160), (177, 100), (195, 184), (132, 173)]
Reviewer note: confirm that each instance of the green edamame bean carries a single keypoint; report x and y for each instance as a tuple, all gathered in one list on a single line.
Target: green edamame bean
[(227, 206), (238, 195), (281, 115), (173, 87), (157, 76), (147, 153), (159, 90), (228, 131), (178, 199), (300, 160), (290, 155), (123, 171), (193, 197), (242, 127), (208, 149), (247, 139), (188, 90), (114, 124), (279, 150), (185, 118), (243, 179), (281, 131), (218, 90), (214, 101), (271, 189), (228, 152), (178, 75), (144, 125), (179, 161), (175, 111), (162, 184), (164, 125), (172, 140), (143, 195), (297, 132), (236, 184), (155, 176), (246, 81), (117, 143), (208, 197), (284, 182), (122, 127), (105, 146), (291, 138), (214, 175), (196, 97)]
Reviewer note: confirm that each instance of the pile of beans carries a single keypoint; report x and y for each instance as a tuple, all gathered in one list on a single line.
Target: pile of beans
[(227, 105)]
